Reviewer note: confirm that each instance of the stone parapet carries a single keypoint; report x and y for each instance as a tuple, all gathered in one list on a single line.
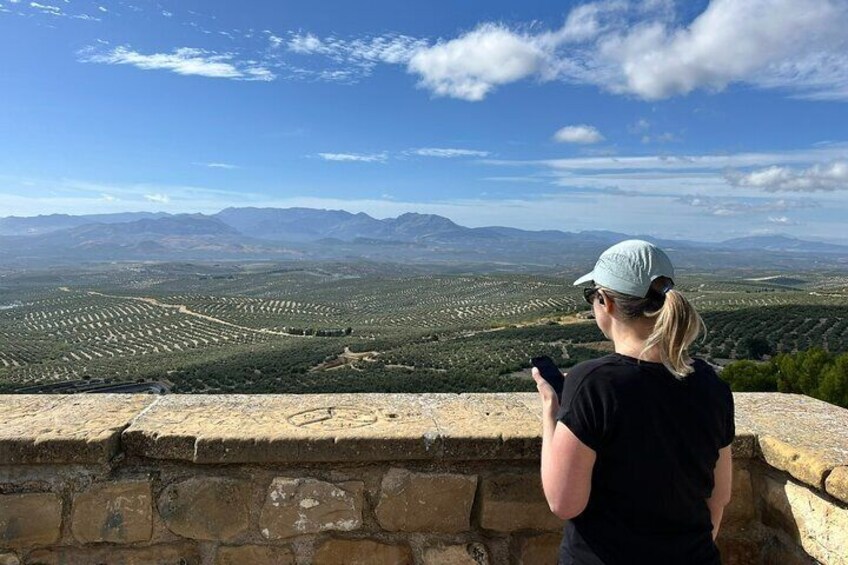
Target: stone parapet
[(362, 478)]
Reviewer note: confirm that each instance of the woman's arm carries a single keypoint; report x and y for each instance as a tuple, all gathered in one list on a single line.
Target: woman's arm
[(720, 497), (567, 462), (567, 466)]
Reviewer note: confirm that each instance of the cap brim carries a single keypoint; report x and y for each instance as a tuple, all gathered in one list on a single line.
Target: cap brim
[(588, 277)]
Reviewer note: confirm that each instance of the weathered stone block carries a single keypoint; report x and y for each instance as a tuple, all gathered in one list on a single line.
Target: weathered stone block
[(836, 484), (740, 512), (466, 554), (512, 502), (298, 506), (254, 555), (30, 519), (65, 428), (163, 554), (487, 426), (210, 508), (118, 512), (539, 549), (425, 502), (806, 465), (819, 526), (9, 559), (362, 552)]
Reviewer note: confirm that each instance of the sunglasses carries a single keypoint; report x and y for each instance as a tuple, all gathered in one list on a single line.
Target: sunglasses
[(589, 295)]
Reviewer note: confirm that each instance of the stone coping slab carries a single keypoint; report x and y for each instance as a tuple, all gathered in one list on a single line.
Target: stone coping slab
[(266, 428), (67, 428), (805, 437)]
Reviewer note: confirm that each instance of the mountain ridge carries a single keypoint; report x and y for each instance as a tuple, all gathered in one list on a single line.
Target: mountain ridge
[(277, 233)]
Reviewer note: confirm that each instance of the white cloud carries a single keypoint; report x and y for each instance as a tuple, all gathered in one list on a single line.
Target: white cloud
[(578, 134), (447, 152), (183, 61), (353, 157), (732, 40), (824, 177), (158, 198), (470, 66), (646, 49)]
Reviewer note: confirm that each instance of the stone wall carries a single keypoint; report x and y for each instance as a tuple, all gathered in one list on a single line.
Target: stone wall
[(362, 478)]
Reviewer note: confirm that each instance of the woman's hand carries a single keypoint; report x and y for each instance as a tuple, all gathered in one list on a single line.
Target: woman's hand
[(550, 402)]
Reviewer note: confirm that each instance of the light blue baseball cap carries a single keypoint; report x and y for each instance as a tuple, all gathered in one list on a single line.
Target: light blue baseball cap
[(629, 267)]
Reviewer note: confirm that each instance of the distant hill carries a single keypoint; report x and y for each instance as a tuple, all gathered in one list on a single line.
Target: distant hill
[(782, 243), (291, 233), (15, 225)]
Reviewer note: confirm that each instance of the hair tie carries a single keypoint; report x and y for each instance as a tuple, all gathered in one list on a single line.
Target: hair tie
[(667, 288)]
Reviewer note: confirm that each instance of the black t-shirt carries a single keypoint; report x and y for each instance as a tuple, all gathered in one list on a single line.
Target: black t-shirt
[(657, 440)]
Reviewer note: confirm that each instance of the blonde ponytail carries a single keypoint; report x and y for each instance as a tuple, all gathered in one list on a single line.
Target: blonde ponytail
[(677, 325)]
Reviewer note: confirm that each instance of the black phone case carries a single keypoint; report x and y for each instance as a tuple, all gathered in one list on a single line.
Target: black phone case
[(550, 373)]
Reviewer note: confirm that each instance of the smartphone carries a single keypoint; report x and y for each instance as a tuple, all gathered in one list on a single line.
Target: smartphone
[(549, 372)]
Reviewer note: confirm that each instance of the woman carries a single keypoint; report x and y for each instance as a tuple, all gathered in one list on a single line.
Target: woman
[(636, 458)]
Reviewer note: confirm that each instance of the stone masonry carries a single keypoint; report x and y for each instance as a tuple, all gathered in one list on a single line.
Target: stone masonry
[(421, 479)]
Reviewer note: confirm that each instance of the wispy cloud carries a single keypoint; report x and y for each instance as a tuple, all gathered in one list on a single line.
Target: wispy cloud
[(183, 61), (782, 221), (730, 184), (47, 8), (830, 152), (158, 198), (355, 157), (350, 59), (578, 134), (739, 206), (448, 152), (227, 166)]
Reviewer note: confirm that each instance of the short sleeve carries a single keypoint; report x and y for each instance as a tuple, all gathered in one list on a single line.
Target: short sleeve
[(729, 431), (585, 407)]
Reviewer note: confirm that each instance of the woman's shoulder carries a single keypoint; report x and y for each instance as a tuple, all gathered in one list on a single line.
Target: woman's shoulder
[(707, 372), (609, 366)]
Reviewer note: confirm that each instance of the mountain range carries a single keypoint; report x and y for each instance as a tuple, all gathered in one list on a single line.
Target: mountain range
[(306, 233)]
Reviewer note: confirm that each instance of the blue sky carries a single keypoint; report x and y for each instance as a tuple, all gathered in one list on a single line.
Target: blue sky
[(702, 120)]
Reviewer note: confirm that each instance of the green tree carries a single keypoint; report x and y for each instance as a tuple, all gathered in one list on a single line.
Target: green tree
[(801, 372), (749, 376), (757, 347), (834, 382)]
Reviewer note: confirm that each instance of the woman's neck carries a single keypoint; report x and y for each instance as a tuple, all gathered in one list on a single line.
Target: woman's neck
[(630, 340)]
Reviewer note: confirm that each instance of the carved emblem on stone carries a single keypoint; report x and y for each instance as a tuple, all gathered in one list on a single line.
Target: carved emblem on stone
[(334, 418)]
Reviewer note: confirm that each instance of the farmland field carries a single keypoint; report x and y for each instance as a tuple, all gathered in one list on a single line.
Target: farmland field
[(360, 326)]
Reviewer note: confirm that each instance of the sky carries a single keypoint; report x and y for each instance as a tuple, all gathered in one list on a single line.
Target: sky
[(700, 120)]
